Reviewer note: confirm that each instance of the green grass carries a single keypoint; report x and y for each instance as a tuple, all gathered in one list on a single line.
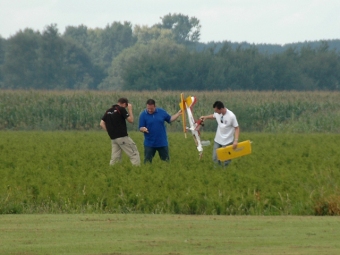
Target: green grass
[(167, 234), (69, 172)]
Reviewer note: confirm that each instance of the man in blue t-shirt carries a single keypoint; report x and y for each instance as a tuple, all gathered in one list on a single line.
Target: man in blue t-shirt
[(151, 123)]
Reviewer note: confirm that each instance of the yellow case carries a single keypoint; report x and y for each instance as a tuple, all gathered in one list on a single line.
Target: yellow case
[(226, 153)]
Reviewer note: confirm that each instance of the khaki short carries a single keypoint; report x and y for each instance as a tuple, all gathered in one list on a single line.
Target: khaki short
[(127, 145)]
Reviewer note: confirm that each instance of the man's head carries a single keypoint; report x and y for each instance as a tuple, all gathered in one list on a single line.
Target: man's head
[(219, 107), (150, 106), (123, 102)]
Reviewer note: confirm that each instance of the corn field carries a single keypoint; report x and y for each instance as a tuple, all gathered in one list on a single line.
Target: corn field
[(289, 111)]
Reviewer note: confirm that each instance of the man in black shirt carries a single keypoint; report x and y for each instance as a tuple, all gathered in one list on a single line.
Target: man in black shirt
[(114, 123)]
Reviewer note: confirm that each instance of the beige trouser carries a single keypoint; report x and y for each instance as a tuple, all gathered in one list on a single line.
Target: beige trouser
[(128, 146)]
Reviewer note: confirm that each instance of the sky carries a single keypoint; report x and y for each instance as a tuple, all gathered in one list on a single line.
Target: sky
[(253, 21)]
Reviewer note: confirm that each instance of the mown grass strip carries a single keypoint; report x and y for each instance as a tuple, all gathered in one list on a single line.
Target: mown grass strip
[(167, 234)]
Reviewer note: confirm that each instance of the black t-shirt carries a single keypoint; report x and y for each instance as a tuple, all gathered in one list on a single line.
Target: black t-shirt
[(114, 119)]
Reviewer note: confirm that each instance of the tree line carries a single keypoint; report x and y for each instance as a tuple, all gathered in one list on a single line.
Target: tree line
[(165, 56)]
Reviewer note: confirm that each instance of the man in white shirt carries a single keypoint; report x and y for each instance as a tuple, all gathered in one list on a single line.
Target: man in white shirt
[(227, 132)]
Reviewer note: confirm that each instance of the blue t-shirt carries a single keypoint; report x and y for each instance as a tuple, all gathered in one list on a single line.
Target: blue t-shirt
[(154, 122)]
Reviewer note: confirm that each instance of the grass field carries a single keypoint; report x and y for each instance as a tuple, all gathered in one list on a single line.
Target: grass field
[(118, 234), (58, 195), (69, 172)]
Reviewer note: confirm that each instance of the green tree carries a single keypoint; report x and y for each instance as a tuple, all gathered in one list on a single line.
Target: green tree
[(78, 70), (85, 73), (186, 30), (20, 67), (47, 61), (2, 50), (147, 67), (51, 59), (240, 69), (286, 71), (194, 70), (322, 66), (78, 34), (2, 59), (145, 34), (106, 44)]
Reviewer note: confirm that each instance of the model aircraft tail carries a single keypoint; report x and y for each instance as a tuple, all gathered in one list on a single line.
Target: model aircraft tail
[(190, 101)]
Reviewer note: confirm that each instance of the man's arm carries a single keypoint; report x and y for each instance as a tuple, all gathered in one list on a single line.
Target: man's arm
[(103, 125), (142, 127), (236, 135), (211, 116), (130, 118), (175, 116)]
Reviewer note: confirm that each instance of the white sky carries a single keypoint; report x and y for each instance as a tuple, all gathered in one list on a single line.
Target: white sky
[(253, 21)]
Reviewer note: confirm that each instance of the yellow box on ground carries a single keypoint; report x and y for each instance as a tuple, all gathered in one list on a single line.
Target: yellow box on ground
[(226, 153)]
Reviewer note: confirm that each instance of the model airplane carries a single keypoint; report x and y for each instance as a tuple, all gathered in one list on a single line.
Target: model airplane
[(194, 126)]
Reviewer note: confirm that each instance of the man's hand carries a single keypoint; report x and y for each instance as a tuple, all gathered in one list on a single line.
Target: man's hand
[(144, 130), (235, 144), (103, 124), (129, 106), (211, 116)]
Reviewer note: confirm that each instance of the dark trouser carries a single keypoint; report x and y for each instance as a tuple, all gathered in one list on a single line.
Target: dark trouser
[(149, 153)]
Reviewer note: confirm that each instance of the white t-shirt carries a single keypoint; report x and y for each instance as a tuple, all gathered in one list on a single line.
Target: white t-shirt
[(225, 127)]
